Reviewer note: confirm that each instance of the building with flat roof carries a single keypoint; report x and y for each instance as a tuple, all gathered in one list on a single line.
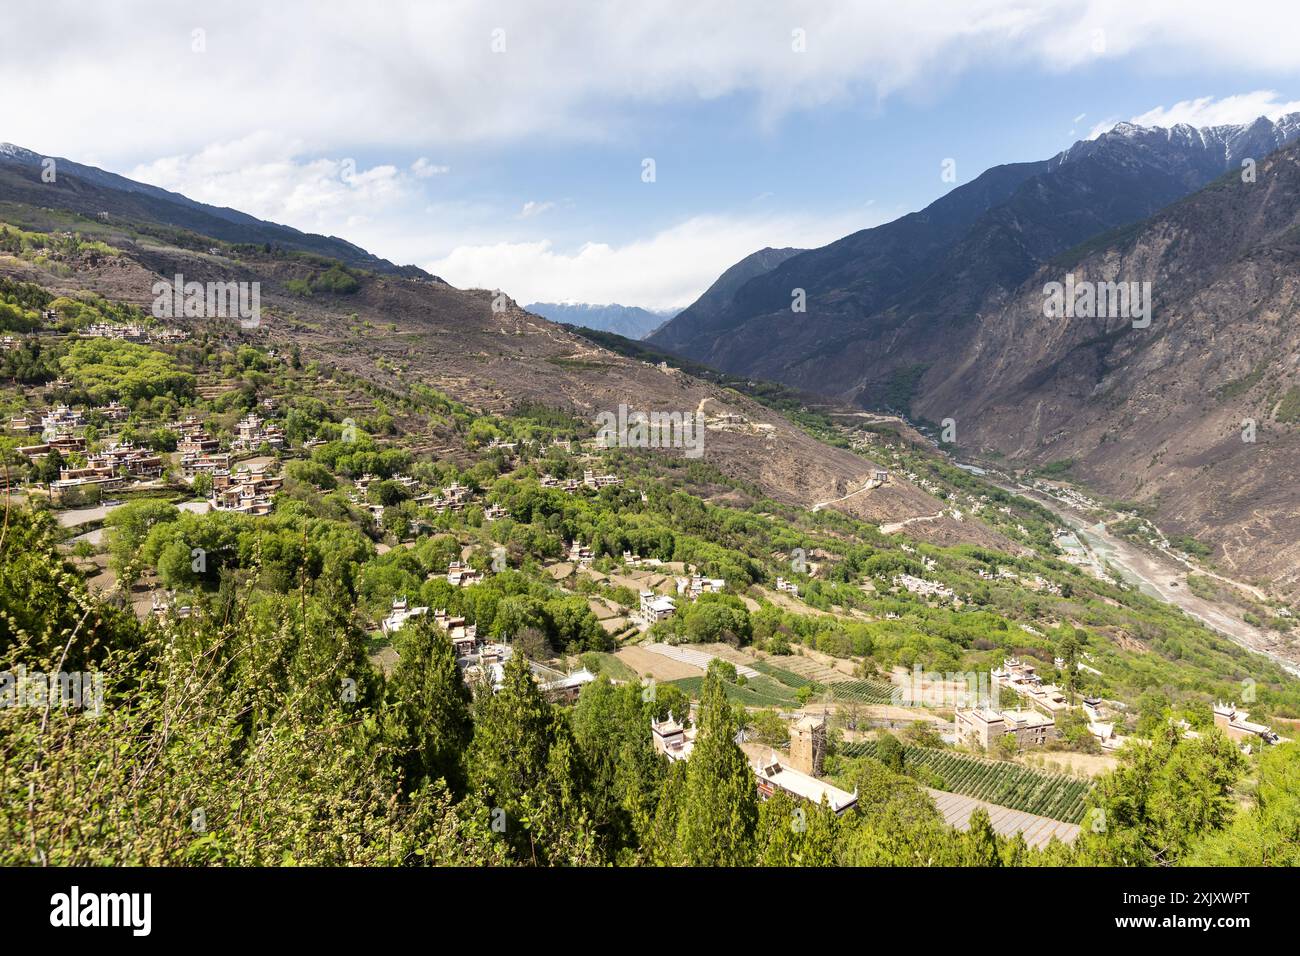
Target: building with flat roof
[(672, 738), (656, 607), (399, 614), (773, 775), (1236, 724), (986, 726), (462, 575), (566, 688)]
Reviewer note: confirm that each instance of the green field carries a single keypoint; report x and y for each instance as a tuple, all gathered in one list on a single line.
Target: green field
[(1006, 784), (756, 692), (862, 691)]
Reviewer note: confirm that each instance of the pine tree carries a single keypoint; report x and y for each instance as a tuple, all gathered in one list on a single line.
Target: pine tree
[(795, 833), (428, 713), (660, 845), (527, 769), (1068, 650), (979, 844), (778, 830), (720, 807), (612, 727)]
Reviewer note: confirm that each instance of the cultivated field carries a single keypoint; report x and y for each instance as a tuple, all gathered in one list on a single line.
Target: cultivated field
[(1005, 783)]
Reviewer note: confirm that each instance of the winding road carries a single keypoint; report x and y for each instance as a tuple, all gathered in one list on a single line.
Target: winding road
[(1165, 578)]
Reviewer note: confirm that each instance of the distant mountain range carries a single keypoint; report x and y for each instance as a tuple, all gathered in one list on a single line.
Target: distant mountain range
[(883, 301), (628, 321), (940, 315), (91, 191)]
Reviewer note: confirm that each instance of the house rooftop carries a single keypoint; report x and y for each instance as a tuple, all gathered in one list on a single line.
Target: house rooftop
[(803, 785)]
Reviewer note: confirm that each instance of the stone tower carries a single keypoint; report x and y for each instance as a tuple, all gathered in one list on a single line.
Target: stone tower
[(808, 744)]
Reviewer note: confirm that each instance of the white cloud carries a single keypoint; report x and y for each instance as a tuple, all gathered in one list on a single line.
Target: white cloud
[(532, 208), (335, 79), (666, 270), (1230, 110), (1237, 110), (381, 208), (263, 175), (423, 169), (1102, 127), (335, 73)]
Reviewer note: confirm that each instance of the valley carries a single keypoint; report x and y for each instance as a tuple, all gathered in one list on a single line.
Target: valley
[(940, 315), (1164, 576), (378, 535)]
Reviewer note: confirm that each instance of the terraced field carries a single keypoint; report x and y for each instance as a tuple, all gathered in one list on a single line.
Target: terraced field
[(757, 692), (863, 691), (1006, 784), (847, 689), (811, 669)]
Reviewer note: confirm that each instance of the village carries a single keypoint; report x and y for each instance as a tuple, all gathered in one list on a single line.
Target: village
[(242, 473), (1015, 761)]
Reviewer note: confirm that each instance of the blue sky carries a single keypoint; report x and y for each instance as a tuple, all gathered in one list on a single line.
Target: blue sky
[(501, 144)]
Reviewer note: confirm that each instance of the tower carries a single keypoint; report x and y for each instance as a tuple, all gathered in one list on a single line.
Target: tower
[(808, 744)]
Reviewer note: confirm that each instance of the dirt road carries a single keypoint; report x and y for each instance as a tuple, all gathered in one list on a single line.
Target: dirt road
[(1163, 578)]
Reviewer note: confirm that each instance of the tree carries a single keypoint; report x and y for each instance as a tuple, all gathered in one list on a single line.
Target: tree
[(612, 727), (428, 714), (532, 643), (795, 832), (724, 669), (890, 752), (1006, 747), (1068, 650), (979, 844), (769, 729), (849, 714), (129, 527), (720, 804), (1267, 834), (526, 768), (1161, 800), (669, 700)]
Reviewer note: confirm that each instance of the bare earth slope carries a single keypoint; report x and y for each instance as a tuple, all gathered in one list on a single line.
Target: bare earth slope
[(1162, 415), (396, 330)]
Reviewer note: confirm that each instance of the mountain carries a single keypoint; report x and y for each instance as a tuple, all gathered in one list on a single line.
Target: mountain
[(698, 316), (462, 342), (91, 191), (885, 303), (628, 321), (1196, 417)]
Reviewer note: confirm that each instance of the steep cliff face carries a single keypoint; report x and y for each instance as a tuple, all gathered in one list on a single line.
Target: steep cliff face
[(699, 317), (1197, 414), (885, 303)]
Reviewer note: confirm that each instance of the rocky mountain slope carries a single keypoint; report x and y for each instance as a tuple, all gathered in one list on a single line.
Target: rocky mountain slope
[(884, 303), (700, 316), (482, 350), (1196, 416)]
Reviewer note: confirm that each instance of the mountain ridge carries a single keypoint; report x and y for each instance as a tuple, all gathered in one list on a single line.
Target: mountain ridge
[(895, 296), (630, 321), (90, 191)]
